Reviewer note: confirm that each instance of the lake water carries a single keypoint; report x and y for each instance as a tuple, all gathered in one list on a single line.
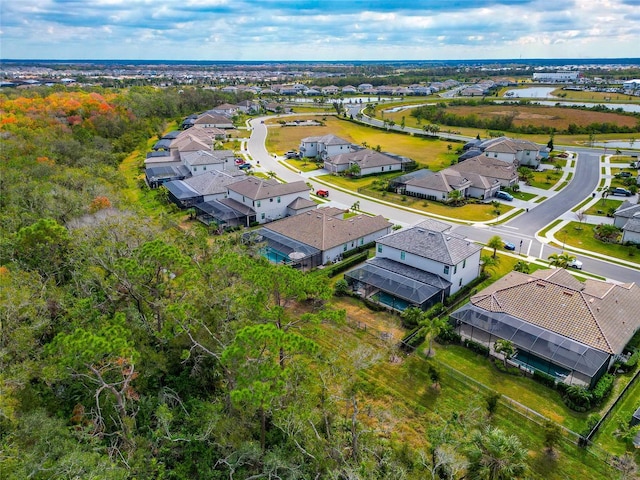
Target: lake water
[(531, 92)]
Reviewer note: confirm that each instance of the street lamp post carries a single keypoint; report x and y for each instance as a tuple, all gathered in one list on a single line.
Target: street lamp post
[(520, 251)]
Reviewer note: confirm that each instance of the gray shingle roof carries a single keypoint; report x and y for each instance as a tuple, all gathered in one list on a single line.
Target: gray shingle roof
[(258, 189), (365, 158), (627, 209), (441, 246)]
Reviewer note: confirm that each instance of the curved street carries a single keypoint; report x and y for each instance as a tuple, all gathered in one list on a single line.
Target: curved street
[(520, 230)]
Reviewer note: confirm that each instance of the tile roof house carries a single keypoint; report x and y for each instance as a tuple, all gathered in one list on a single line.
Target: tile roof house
[(417, 266), (561, 326), (322, 235), (369, 161), (208, 120)]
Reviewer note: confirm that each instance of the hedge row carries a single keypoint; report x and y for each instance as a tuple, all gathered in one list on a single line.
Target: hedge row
[(346, 264)]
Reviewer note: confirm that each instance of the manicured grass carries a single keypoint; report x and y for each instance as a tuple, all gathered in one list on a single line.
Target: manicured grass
[(603, 206), (605, 437), (545, 179), (304, 165), (622, 158), (544, 231), (581, 236), (540, 200), (472, 212), (427, 152), (523, 195)]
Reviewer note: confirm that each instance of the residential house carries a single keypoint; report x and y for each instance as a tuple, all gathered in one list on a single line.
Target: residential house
[(436, 185), (323, 147), (201, 161), (226, 109), (349, 90), (158, 175), (330, 90), (363, 87), (568, 329), (207, 187), (369, 161), (487, 175), (417, 266), (319, 237), (625, 212), (248, 106), (209, 120), (521, 152)]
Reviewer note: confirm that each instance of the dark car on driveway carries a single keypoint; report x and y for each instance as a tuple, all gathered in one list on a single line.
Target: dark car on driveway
[(621, 191)]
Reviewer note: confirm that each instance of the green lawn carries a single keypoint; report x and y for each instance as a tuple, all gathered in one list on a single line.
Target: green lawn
[(581, 236), (622, 158), (545, 179), (603, 206), (471, 212), (523, 195)]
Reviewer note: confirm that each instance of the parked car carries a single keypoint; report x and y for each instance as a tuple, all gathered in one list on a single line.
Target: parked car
[(239, 161), (292, 154), (322, 193), (623, 175), (504, 195), (575, 263), (509, 246), (621, 191), (244, 166)]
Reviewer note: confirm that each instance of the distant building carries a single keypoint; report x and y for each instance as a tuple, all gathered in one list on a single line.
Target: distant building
[(556, 77)]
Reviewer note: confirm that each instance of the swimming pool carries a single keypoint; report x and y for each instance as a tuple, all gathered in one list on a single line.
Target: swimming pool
[(273, 255), (529, 360), (391, 301)]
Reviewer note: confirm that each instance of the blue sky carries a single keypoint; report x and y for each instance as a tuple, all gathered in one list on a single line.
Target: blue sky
[(318, 30)]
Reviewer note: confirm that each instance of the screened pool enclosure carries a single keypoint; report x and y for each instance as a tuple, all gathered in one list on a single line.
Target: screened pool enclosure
[(539, 349)]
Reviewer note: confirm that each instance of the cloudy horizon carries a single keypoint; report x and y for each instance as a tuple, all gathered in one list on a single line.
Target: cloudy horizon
[(328, 30)]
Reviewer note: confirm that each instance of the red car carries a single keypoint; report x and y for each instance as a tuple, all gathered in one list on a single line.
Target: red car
[(322, 193)]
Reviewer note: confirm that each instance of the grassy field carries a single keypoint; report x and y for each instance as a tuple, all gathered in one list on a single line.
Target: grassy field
[(472, 212), (401, 392), (432, 153), (581, 236)]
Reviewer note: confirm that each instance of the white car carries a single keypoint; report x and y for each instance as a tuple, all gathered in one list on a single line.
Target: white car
[(575, 263)]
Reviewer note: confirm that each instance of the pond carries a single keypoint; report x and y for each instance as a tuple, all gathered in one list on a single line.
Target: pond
[(531, 92)]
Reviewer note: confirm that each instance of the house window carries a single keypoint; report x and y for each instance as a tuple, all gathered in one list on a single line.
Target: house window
[(278, 199), (460, 282), (271, 199), (362, 241), (464, 263), (262, 216), (344, 249), (195, 169), (258, 203), (402, 255), (446, 269), (379, 248), (455, 269)]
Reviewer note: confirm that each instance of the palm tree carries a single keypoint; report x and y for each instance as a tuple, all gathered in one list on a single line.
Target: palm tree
[(412, 316), (455, 197), (431, 327), (487, 262), (505, 347), (495, 242), (560, 260), (521, 266), (494, 455)]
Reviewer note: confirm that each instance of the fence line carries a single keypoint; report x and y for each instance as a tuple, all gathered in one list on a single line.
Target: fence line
[(597, 426)]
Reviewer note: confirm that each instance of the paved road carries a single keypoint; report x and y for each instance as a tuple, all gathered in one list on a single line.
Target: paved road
[(520, 229)]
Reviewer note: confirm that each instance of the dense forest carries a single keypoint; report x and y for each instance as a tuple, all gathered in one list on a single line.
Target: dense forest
[(131, 348)]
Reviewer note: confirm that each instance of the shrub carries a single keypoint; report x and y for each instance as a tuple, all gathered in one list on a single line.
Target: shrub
[(603, 388), (449, 335), (631, 364), (544, 378), (476, 347), (577, 398), (341, 288), (346, 264)]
